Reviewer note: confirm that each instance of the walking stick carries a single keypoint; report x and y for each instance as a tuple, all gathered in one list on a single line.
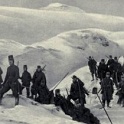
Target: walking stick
[(51, 91), (60, 81), (95, 92)]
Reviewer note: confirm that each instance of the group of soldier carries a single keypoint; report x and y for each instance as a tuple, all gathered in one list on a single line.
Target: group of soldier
[(12, 82), (110, 73), (40, 93)]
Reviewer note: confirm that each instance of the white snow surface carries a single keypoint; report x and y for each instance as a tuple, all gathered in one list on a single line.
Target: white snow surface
[(31, 112), (116, 112), (67, 51)]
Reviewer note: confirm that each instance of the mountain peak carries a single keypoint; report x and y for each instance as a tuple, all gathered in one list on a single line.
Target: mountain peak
[(62, 7)]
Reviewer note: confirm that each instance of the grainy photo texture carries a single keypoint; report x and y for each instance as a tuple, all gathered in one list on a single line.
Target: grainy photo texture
[(61, 62)]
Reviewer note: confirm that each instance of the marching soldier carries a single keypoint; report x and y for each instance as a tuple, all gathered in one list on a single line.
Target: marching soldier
[(102, 69), (11, 80), (107, 89), (39, 78), (26, 79), (121, 92), (92, 66), (117, 71)]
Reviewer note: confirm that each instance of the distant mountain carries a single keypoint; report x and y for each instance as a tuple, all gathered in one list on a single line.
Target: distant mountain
[(29, 26), (109, 7), (62, 7)]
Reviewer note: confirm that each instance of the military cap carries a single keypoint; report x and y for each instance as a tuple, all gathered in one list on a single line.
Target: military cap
[(110, 56), (102, 60), (74, 77), (25, 66), (10, 57), (38, 66), (90, 57), (115, 58), (57, 91), (107, 73)]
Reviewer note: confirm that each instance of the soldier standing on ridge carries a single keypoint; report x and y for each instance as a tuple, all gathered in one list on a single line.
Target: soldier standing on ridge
[(117, 71), (102, 69), (92, 66), (26, 79), (38, 78), (11, 80)]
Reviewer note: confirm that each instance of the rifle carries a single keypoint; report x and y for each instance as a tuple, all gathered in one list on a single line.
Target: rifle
[(43, 69), (60, 81), (94, 91), (67, 91), (51, 91)]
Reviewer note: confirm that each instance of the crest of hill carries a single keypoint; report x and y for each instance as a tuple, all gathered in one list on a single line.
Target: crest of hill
[(68, 52), (62, 7)]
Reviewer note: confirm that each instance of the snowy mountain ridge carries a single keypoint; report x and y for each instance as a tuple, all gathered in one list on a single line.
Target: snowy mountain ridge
[(62, 7)]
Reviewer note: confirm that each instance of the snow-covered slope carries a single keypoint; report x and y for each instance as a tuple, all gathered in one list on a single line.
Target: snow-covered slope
[(68, 52), (115, 113), (28, 26), (30, 112)]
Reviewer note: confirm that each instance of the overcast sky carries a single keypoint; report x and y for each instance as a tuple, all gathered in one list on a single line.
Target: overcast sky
[(111, 7)]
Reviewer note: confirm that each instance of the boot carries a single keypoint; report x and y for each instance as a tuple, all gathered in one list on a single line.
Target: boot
[(92, 77), (16, 101), (103, 103), (108, 105)]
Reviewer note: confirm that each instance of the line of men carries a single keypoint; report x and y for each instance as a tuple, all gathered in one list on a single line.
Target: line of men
[(39, 90), (109, 73), (41, 93), (112, 66)]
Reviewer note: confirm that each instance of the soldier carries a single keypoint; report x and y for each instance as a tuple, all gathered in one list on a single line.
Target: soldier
[(38, 78), (11, 80), (110, 61), (102, 69), (60, 101), (121, 92), (26, 79), (92, 66), (117, 71), (78, 91), (107, 89), (1, 80), (43, 93), (83, 114)]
